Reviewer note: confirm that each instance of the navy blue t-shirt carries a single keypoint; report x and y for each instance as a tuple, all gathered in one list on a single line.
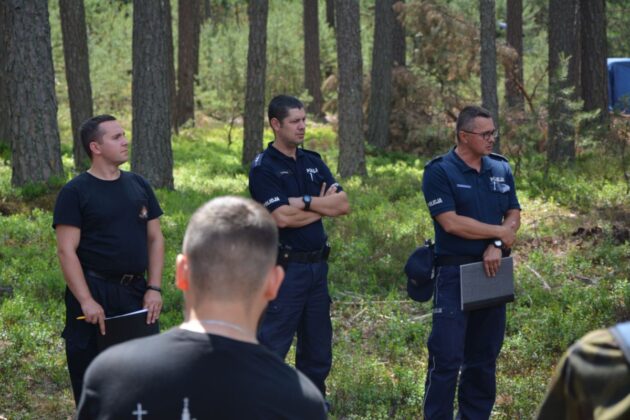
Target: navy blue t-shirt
[(449, 184), (112, 216), (274, 177)]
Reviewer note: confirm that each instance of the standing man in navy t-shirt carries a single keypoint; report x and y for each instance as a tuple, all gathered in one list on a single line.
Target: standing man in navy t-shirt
[(296, 186), (108, 235), (471, 196)]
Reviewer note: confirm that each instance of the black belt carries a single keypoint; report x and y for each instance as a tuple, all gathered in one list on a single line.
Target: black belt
[(123, 279), (308, 257), (442, 260)]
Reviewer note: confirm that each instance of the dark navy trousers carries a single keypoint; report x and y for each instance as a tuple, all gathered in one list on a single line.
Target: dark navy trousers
[(303, 307), (465, 345)]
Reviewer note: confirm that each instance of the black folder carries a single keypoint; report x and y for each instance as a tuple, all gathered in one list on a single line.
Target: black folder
[(126, 327), (480, 291)]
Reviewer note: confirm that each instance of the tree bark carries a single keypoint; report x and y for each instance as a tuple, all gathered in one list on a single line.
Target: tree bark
[(514, 73), (172, 86), (564, 73), (312, 71), (207, 10), (75, 52), (381, 80), (152, 155), (187, 62), (4, 93), (32, 104), (488, 66), (351, 147), (594, 54), (254, 118), (399, 42), (330, 13)]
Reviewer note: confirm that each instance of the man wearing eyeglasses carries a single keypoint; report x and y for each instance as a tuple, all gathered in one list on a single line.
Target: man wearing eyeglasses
[(471, 196)]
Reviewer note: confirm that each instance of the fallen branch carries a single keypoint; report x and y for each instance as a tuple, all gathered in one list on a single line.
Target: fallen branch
[(545, 284), (422, 317), (586, 280)]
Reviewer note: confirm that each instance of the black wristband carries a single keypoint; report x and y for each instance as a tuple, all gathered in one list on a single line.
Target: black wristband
[(151, 287)]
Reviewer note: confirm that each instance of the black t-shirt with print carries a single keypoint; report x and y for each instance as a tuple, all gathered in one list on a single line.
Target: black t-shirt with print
[(182, 374), (112, 216)]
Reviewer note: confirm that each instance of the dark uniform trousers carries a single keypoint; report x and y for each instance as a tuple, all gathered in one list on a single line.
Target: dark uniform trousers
[(80, 336), (451, 347), (302, 305)]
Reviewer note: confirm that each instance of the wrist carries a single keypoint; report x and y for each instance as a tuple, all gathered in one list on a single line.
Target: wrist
[(154, 288), (85, 300), (307, 199)]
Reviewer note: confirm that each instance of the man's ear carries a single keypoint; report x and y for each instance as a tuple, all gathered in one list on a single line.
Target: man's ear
[(273, 281), (94, 148), (275, 124), (182, 273)]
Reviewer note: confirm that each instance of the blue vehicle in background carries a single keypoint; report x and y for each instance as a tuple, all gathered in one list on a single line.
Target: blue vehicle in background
[(619, 85)]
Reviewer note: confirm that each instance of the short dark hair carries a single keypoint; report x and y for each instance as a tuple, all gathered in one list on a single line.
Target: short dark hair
[(231, 243), (280, 105), (468, 114), (89, 132)]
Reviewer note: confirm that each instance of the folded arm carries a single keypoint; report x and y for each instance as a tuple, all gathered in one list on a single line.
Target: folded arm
[(469, 228), (288, 216), (329, 203)]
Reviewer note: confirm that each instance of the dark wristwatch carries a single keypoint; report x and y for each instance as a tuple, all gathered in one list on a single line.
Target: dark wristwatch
[(498, 243), (157, 289), (307, 201)]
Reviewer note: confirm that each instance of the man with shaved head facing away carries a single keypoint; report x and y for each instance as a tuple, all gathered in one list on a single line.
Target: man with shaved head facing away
[(210, 366)]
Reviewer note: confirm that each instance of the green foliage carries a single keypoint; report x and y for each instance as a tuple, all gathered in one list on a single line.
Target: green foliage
[(572, 271), (618, 30)]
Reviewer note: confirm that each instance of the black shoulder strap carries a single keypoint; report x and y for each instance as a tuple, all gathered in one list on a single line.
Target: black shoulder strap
[(312, 152), (622, 333)]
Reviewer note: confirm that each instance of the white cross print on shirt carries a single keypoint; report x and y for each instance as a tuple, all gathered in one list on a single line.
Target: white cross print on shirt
[(139, 412)]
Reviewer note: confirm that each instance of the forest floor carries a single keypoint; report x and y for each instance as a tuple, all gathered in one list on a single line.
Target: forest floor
[(572, 268)]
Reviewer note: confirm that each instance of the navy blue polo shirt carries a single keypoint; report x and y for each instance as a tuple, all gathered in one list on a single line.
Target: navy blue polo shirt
[(449, 184), (274, 177)]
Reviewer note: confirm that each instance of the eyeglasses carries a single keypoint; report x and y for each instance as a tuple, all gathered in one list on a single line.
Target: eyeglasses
[(486, 135)]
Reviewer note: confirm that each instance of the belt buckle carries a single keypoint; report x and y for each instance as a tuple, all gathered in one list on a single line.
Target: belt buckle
[(126, 279)]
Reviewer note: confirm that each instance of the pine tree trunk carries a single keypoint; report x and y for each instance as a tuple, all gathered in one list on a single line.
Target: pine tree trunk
[(381, 80), (75, 51), (489, 96), (594, 54), (207, 10), (399, 42), (254, 118), (4, 93), (31, 94), (351, 147), (564, 73), (312, 71), (152, 156), (514, 74), (172, 87), (188, 24), (330, 13)]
